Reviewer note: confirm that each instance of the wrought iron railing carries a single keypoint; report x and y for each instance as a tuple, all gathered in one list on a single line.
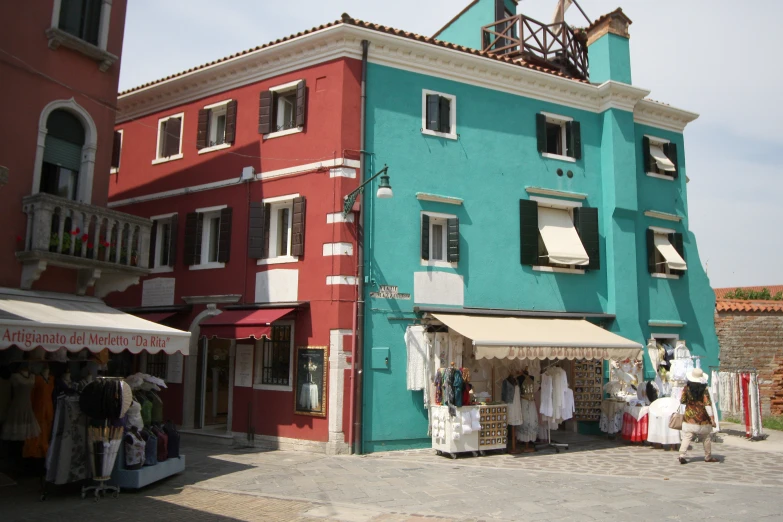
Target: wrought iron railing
[(554, 45)]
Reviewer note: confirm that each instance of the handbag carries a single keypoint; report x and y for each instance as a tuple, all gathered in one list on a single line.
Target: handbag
[(675, 422)]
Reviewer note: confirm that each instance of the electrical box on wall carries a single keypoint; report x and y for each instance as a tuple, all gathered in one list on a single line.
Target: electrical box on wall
[(380, 358), (248, 173)]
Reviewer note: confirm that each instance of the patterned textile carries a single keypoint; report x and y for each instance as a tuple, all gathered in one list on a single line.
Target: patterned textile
[(696, 407), (528, 431), (417, 357), (67, 458), (37, 447), (611, 416), (20, 423)]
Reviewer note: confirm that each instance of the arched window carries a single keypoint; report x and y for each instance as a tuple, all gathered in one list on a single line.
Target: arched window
[(62, 158)]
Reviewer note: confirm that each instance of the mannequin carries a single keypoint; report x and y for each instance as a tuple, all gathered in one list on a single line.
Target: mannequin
[(41, 400), (21, 423)]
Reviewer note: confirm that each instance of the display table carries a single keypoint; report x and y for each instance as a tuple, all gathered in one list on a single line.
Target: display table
[(612, 416), (660, 412), (454, 435), (138, 478), (635, 423)]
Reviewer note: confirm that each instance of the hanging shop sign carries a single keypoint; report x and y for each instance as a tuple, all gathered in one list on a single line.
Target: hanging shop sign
[(389, 292), (243, 369), (310, 380)]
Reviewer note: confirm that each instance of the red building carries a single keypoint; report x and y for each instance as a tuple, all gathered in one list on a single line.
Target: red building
[(242, 166)]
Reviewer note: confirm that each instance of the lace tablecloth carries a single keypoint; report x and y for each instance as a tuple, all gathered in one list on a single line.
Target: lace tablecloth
[(611, 416)]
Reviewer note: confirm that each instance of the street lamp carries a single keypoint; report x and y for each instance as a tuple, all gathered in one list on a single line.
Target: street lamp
[(384, 190)]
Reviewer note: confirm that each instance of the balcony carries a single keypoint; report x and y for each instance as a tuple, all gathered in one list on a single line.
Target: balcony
[(109, 249), (554, 45)]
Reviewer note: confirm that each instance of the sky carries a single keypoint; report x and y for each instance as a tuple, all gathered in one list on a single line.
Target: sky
[(713, 57)]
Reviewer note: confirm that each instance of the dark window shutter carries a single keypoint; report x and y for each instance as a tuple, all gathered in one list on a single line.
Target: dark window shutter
[(528, 231), (202, 135), (224, 240), (574, 135), (153, 241), (267, 224), (445, 114), (298, 227), (586, 224), (231, 121), (116, 150), (192, 253), (541, 132), (670, 149), (301, 103), (173, 127), (172, 246), (255, 231), (433, 112), (453, 239), (676, 241), (651, 251), (646, 156), (265, 112), (425, 237), (500, 9)]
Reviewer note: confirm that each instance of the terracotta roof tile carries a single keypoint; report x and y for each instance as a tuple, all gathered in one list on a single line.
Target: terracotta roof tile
[(601, 18), (773, 289), (346, 19), (730, 305)]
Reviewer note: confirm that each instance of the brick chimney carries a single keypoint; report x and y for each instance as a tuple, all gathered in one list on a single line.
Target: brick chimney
[(608, 48)]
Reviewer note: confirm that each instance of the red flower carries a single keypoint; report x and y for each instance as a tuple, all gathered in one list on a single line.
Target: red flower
[(75, 232), (105, 244), (85, 237), (89, 245)]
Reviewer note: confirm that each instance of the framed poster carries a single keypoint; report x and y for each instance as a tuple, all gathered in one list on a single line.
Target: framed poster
[(243, 369), (310, 380)]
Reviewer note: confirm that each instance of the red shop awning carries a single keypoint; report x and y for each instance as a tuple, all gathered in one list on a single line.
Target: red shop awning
[(155, 317), (243, 324)]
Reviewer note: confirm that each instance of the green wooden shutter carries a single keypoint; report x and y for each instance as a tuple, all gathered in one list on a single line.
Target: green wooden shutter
[(224, 239), (192, 254), (433, 112), (153, 242), (445, 114), (528, 231), (586, 224), (651, 267), (541, 132), (670, 149), (62, 153), (574, 139), (425, 236), (116, 150), (267, 227), (452, 225)]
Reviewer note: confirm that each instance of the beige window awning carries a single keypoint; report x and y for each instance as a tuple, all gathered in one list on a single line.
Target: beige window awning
[(53, 321), (560, 238), (673, 259), (663, 162), (532, 338)]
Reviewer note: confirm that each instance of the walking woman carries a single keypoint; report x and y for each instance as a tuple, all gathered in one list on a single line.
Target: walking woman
[(699, 417)]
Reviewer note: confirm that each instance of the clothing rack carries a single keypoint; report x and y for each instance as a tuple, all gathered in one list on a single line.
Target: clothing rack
[(549, 442)]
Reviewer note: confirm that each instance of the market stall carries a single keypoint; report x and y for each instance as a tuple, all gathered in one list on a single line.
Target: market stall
[(493, 382), (59, 408)]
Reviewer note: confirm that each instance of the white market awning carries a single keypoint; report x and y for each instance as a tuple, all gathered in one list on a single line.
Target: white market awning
[(673, 259), (532, 338), (53, 321), (663, 161), (560, 237)]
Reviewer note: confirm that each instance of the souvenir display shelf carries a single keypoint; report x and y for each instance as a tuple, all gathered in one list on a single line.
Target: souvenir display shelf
[(588, 379), (494, 426)]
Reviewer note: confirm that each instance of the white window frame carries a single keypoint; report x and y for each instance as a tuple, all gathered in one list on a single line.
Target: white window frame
[(156, 268), (559, 204), (654, 140), (452, 115), (158, 159), (208, 213), (258, 361), (216, 110), (277, 203), (666, 274), (438, 218), (115, 170), (560, 120), (282, 89)]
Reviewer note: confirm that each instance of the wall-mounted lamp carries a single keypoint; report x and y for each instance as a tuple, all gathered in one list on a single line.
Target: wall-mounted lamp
[(384, 190)]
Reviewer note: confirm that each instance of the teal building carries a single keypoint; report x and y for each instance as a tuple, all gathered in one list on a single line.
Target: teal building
[(523, 185)]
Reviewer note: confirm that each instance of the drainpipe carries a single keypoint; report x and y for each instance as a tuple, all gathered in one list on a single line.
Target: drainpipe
[(358, 337)]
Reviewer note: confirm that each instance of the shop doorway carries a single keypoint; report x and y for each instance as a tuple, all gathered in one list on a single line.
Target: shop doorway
[(212, 405)]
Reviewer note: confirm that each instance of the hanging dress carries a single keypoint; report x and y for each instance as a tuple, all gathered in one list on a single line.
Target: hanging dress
[(36, 447), (20, 422), (514, 417)]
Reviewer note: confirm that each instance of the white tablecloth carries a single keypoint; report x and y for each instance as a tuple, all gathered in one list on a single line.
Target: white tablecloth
[(660, 412)]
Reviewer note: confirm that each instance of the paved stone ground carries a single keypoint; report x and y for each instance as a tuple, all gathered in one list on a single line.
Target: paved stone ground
[(595, 479)]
